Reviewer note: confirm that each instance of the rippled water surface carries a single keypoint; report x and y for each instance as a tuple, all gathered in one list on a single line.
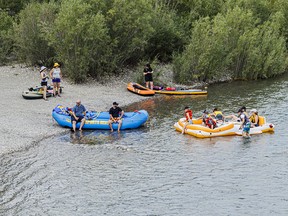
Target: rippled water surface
[(155, 170)]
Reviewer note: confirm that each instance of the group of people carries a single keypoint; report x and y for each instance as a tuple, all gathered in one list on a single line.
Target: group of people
[(56, 76), (212, 120), (78, 114)]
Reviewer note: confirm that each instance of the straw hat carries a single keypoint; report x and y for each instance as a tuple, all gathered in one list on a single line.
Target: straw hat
[(56, 64)]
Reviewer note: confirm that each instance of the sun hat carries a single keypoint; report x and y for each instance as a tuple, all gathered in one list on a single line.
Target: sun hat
[(56, 64), (42, 68), (254, 110), (115, 103)]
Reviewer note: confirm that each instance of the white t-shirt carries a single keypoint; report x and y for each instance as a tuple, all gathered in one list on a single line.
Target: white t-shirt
[(56, 73)]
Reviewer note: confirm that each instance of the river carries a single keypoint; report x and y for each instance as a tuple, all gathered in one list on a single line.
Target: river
[(155, 170)]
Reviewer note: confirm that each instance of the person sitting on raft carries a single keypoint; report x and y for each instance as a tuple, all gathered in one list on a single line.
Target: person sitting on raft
[(218, 115), (116, 114), (208, 120), (254, 118), (188, 115), (78, 115)]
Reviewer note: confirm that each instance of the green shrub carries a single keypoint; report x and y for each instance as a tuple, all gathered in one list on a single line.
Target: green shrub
[(232, 45), (6, 36), (31, 42), (129, 24), (167, 37), (79, 36)]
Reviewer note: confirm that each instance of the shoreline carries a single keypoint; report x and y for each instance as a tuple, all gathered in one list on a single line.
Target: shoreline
[(25, 122)]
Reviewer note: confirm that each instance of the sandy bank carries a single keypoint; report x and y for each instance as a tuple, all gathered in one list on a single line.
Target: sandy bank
[(26, 121)]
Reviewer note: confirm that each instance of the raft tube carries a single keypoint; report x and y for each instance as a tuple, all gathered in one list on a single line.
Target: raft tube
[(139, 89), (183, 92), (35, 94), (226, 129), (99, 120)]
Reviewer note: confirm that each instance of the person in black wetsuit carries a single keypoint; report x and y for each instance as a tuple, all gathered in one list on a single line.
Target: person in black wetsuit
[(148, 72)]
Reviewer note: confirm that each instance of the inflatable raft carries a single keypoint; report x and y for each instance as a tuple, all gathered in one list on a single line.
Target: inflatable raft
[(139, 89), (182, 92), (99, 120), (227, 129), (37, 92)]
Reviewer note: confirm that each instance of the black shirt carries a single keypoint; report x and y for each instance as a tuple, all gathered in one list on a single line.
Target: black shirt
[(148, 76), (115, 112)]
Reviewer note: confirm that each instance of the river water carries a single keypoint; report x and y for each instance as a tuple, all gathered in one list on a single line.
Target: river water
[(155, 170)]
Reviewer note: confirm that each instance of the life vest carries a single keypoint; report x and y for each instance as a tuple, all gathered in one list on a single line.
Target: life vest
[(190, 114), (218, 115), (252, 118), (246, 119), (210, 122), (205, 116)]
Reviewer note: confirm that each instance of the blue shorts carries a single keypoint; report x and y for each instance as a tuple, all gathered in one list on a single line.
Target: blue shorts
[(56, 80), (247, 127)]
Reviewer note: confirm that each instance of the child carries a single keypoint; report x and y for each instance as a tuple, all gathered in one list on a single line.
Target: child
[(188, 115)]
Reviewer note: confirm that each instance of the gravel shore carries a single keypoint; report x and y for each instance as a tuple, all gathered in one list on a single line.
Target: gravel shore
[(25, 122)]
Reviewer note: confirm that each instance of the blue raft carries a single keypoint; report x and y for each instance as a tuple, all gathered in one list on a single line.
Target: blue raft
[(99, 120)]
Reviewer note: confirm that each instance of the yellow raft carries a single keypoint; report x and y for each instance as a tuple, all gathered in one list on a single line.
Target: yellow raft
[(182, 92), (227, 129)]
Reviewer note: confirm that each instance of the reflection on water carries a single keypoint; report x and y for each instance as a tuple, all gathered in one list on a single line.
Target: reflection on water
[(93, 138), (155, 170)]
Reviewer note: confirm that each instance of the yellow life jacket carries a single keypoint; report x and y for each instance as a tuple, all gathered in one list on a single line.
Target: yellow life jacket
[(218, 112), (252, 118)]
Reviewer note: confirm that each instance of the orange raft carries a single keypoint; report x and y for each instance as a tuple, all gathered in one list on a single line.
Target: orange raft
[(139, 89)]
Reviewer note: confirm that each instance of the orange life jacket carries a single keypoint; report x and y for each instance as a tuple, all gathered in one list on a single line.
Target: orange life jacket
[(190, 114)]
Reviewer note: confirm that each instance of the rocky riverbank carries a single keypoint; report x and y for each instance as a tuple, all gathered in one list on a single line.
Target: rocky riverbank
[(25, 122)]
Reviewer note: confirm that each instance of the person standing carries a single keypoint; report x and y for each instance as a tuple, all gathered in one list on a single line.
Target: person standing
[(116, 114), (188, 113), (148, 75), (44, 81), (78, 115), (56, 76), (245, 122)]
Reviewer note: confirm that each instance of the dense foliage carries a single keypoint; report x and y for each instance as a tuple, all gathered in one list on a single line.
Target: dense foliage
[(6, 36), (204, 40)]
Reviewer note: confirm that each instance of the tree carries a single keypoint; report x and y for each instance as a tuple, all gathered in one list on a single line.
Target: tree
[(129, 24), (6, 36), (233, 45), (32, 45), (79, 36)]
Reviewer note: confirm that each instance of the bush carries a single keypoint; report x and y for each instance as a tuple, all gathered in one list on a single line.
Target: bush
[(232, 45), (129, 24), (167, 37), (32, 45), (80, 38), (6, 36)]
